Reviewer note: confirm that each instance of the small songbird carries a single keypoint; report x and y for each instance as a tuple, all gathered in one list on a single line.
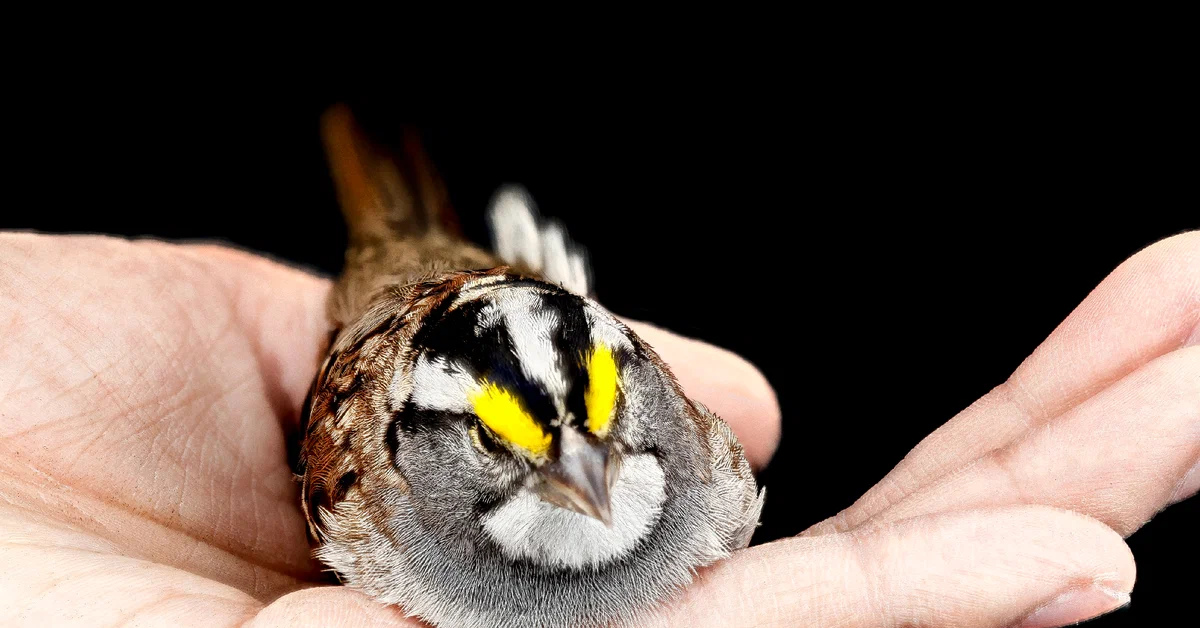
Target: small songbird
[(485, 445)]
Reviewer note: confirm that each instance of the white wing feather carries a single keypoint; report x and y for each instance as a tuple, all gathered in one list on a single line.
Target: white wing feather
[(521, 236)]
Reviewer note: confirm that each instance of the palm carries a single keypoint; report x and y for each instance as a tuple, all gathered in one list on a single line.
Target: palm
[(144, 428)]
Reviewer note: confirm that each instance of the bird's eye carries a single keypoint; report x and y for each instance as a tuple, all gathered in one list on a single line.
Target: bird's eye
[(504, 417), (601, 395), (483, 442)]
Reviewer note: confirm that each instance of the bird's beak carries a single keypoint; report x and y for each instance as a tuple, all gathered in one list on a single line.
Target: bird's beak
[(581, 477)]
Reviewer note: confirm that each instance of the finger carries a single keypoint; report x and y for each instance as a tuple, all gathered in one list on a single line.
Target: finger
[(1120, 456), (724, 382), (1148, 306), (333, 607), (971, 568)]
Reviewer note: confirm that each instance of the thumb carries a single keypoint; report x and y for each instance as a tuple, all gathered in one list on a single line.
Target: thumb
[(1028, 566)]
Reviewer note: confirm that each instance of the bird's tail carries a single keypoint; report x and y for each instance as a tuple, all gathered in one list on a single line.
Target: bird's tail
[(383, 197)]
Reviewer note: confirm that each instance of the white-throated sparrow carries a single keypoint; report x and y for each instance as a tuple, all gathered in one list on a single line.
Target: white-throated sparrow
[(485, 445)]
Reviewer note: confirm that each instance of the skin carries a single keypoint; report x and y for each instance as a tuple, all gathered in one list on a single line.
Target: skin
[(147, 390)]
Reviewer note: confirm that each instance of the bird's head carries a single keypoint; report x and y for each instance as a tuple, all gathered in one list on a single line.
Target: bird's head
[(541, 411)]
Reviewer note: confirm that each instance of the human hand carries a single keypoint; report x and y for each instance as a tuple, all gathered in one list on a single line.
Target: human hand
[(148, 389), (1103, 419)]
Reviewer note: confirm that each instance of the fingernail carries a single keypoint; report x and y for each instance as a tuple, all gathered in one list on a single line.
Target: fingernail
[(1074, 606), (1188, 485)]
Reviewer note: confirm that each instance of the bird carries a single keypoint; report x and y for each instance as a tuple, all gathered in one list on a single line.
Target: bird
[(484, 444)]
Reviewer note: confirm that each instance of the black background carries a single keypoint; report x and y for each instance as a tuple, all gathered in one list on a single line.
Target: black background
[(886, 248)]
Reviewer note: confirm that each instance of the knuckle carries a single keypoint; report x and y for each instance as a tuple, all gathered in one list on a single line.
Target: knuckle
[(1177, 371), (1183, 366)]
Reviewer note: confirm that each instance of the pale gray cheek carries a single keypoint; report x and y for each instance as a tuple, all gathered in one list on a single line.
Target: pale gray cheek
[(527, 527), (648, 407), (446, 461)]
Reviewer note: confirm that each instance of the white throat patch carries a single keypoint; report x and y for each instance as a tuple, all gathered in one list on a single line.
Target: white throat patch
[(528, 527)]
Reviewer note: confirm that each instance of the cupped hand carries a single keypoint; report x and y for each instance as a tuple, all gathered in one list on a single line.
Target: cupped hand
[(147, 391)]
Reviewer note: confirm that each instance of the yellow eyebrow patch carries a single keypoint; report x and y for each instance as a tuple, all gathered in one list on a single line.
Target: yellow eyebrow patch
[(601, 395), (504, 416)]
